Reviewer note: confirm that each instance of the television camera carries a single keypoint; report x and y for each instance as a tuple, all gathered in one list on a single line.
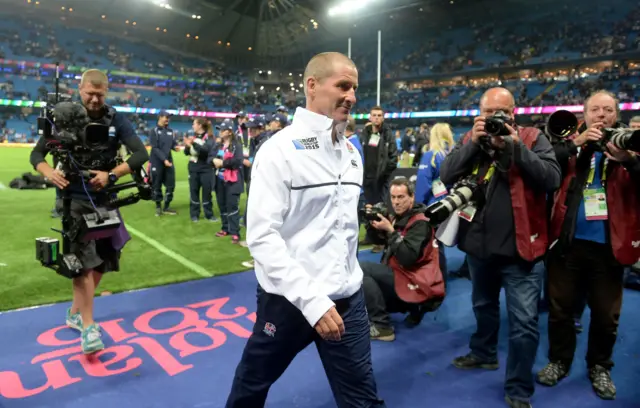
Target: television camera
[(562, 124), (76, 145)]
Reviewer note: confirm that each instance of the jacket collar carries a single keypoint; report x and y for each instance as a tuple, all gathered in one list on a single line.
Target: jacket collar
[(318, 122)]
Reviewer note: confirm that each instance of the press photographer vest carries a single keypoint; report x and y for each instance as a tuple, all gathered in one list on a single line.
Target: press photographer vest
[(423, 281), (529, 205), (623, 202)]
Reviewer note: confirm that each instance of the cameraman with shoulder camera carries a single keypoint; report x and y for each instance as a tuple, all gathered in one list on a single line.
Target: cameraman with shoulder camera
[(595, 228), (97, 256), (409, 278), (504, 232)]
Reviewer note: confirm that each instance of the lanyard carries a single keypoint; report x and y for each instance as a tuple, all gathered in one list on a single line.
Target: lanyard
[(592, 171), (489, 174)]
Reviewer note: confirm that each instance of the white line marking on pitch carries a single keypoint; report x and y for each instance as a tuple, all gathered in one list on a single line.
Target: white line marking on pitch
[(171, 254)]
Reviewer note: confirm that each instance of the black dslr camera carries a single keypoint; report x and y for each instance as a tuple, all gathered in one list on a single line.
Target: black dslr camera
[(371, 214), (562, 124), (622, 138), (495, 125)]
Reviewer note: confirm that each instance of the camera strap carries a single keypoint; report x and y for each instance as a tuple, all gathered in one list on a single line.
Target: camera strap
[(487, 174)]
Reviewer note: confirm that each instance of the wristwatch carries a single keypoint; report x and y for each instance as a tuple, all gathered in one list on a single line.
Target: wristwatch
[(112, 178)]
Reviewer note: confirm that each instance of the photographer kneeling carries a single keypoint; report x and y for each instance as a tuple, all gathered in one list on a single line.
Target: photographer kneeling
[(408, 279), (101, 255)]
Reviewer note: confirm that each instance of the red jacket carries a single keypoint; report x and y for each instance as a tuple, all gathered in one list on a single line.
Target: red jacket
[(529, 206), (422, 281), (623, 202)]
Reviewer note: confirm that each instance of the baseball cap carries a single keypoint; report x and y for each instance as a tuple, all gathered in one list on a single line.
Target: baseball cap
[(241, 114), (226, 124), (256, 121), (282, 108), (280, 118), (164, 113)]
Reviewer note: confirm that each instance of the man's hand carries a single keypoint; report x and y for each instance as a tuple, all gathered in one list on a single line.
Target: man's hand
[(217, 163), (478, 129), (57, 178), (618, 155), (330, 326), (383, 225), (99, 180), (592, 134), (167, 163)]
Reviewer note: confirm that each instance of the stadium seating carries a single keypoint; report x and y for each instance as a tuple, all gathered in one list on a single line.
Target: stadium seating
[(27, 46)]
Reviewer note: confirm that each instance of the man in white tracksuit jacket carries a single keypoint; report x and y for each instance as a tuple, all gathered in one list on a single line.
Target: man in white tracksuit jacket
[(303, 236)]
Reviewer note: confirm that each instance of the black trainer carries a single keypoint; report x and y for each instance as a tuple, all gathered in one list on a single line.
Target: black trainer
[(381, 333), (601, 382), (552, 373), (470, 362), (514, 403)]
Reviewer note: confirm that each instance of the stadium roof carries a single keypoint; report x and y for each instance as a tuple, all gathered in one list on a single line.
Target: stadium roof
[(245, 32)]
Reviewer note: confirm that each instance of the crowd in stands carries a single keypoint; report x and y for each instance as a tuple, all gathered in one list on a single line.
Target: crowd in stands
[(213, 87), (602, 29)]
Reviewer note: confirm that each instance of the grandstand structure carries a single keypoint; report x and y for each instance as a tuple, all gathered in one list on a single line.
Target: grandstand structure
[(158, 56), (175, 343)]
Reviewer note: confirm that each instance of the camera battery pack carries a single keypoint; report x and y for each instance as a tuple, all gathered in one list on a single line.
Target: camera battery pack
[(47, 251)]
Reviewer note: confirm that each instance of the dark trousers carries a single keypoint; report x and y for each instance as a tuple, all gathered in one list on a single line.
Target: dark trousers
[(246, 207), (281, 332), (522, 285), (587, 266), (443, 261), (160, 174), (201, 181), (376, 192), (228, 202), (380, 294)]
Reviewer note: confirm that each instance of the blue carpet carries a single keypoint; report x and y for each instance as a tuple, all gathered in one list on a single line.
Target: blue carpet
[(177, 346)]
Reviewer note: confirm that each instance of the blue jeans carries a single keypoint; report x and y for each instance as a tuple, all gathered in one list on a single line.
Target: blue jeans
[(522, 285)]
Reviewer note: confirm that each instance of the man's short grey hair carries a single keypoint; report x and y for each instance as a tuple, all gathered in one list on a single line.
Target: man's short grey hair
[(321, 66), (635, 119)]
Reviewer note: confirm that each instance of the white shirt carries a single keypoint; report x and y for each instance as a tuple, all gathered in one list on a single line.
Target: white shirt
[(302, 214)]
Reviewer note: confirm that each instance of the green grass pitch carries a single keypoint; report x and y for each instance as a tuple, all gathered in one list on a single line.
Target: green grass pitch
[(25, 215)]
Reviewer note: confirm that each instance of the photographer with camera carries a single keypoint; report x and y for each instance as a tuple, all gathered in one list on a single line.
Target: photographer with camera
[(595, 228), (504, 233), (408, 278), (98, 256)]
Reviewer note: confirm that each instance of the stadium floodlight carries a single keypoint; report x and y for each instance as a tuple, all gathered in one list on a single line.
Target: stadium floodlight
[(347, 7), (162, 3)]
